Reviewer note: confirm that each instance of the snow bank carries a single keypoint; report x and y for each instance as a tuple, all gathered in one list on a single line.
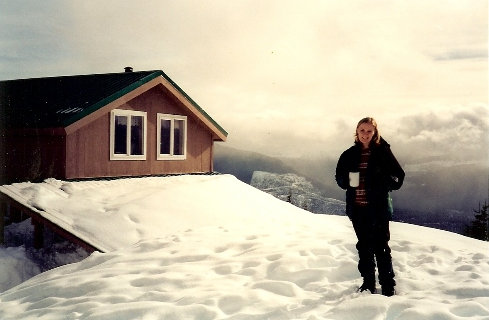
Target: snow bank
[(15, 267), (19, 260), (229, 251)]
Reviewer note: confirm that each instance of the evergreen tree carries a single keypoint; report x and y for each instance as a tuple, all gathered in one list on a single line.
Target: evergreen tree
[(289, 197), (479, 229)]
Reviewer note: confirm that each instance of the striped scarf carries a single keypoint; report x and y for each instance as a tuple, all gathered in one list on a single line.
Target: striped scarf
[(361, 195)]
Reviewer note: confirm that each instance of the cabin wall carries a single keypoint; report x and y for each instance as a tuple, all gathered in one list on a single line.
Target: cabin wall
[(33, 155), (88, 148)]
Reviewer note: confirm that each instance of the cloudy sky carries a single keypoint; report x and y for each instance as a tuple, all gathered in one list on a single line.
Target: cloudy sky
[(282, 77)]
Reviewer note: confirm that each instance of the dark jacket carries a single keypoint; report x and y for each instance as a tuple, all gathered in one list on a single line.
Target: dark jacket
[(384, 174)]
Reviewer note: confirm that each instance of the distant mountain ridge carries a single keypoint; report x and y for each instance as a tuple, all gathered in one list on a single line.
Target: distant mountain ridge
[(298, 191), (242, 163)]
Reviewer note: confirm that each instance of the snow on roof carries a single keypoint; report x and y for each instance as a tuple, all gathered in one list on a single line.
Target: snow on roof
[(114, 214)]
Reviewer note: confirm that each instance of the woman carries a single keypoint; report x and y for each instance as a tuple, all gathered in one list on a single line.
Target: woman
[(368, 171)]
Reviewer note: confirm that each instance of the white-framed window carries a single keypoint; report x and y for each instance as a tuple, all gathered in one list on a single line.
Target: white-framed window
[(128, 130), (171, 137)]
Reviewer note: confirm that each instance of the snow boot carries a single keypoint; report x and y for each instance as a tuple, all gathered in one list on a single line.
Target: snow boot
[(368, 285), (388, 291)]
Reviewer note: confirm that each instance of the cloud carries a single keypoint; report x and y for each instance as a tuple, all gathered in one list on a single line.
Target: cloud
[(458, 135), (462, 54), (33, 38)]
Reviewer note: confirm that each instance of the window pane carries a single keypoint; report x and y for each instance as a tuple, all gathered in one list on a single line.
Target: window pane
[(165, 136), (178, 137), (137, 129), (120, 139)]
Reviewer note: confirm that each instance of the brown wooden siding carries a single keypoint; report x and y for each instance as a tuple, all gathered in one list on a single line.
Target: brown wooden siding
[(33, 155), (88, 154)]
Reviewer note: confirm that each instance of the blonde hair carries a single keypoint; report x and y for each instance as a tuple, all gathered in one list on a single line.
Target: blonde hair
[(369, 120)]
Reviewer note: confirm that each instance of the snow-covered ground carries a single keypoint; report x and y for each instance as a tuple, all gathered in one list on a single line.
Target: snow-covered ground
[(212, 247)]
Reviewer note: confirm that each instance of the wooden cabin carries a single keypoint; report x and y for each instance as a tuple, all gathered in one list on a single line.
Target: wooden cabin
[(94, 126), (102, 125)]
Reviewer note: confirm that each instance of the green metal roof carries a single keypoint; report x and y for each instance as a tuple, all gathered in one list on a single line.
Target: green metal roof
[(60, 101)]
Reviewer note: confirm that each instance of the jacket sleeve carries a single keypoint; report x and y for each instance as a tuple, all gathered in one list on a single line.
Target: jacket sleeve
[(396, 173), (341, 175)]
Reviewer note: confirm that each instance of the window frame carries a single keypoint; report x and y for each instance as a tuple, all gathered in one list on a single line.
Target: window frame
[(129, 114), (171, 118)]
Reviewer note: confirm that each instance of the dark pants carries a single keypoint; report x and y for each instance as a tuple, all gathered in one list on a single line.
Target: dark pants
[(373, 243)]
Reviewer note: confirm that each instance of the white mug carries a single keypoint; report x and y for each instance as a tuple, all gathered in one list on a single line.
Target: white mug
[(354, 179)]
